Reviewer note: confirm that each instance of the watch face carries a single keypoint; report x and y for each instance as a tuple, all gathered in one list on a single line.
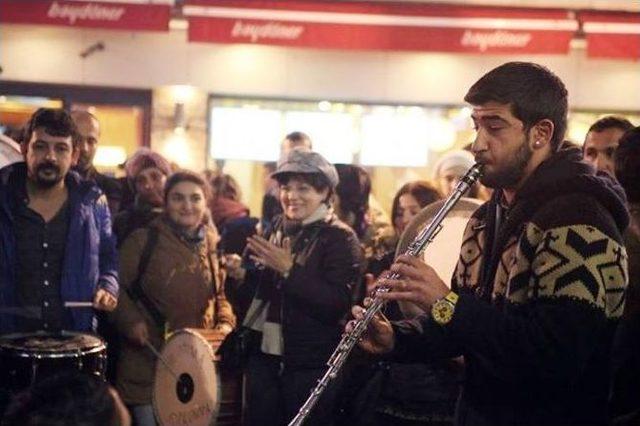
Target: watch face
[(442, 311)]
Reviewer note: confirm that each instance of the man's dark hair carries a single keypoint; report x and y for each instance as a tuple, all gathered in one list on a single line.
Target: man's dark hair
[(54, 121), (611, 122), (627, 163), (533, 92), (70, 398), (299, 138)]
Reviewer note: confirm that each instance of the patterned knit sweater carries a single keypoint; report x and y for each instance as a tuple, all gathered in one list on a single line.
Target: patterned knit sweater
[(541, 286)]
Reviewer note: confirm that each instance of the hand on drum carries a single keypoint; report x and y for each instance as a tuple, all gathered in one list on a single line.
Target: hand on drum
[(277, 258), (418, 283), (104, 301), (379, 337), (139, 333)]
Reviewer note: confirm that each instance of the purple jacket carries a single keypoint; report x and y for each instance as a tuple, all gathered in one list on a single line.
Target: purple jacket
[(90, 259)]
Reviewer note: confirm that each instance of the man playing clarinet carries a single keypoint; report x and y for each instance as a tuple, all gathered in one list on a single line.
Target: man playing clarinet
[(541, 275)]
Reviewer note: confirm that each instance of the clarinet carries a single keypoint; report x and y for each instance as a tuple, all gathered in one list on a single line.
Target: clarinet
[(350, 340)]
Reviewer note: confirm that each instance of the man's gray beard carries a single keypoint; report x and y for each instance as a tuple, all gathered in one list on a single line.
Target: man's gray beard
[(511, 173)]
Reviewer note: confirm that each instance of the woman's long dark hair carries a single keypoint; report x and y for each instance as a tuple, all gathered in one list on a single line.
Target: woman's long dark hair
[(423, 191)]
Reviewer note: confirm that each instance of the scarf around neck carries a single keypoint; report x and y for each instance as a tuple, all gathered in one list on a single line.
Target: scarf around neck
[(268, 297)]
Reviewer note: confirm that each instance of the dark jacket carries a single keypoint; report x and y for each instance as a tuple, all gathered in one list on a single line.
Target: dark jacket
[(90, 260), (137, 216), (108, 185), (316, 295), (536, 314)]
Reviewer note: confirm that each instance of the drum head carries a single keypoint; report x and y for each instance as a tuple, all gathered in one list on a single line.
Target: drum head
[(42, 342), (443, 252), (189, 393)]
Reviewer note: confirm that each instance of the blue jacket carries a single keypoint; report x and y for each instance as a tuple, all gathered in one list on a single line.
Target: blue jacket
[(90, 260)]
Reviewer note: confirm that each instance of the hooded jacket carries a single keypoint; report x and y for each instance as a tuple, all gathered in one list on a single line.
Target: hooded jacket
[(541, 285), (90, 259)]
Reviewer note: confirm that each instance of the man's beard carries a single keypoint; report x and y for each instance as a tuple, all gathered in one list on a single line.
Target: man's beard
[(511, 172), (84, 163), (46, 182)]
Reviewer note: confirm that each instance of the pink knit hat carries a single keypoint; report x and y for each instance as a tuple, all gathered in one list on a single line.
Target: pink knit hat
[(145, 158)]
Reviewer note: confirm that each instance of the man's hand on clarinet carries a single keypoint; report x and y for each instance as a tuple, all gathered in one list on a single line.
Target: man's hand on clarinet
[(379, 337), (418, 283)]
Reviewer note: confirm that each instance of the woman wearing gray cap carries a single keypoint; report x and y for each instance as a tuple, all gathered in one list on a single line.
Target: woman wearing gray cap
[(306, 267)]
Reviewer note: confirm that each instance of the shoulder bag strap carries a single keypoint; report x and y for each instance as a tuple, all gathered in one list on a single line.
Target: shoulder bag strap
[(135, 291)]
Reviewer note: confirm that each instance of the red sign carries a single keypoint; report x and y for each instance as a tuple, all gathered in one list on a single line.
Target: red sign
[(612, 35), (88, 14), (381, 26)]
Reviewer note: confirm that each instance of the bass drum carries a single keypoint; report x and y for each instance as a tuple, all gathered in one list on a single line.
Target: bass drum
[(443, 252), (186, 388), (230, 413)]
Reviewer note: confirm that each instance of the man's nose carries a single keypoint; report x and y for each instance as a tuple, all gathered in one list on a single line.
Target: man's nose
[(51, 154), (479, 143), (602, 163)]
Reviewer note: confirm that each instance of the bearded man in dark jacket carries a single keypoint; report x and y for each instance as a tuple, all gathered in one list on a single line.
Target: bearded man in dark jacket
[(542, 270)]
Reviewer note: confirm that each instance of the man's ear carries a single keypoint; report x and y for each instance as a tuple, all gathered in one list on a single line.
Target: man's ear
[(542, 133)]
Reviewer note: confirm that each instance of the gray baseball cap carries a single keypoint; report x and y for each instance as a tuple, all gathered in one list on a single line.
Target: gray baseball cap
[(299, 161)]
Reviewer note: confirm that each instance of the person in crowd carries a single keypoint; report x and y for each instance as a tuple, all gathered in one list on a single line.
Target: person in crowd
[(531, 307), (407, 203), (625, 407), (147, 171), (89, 137), (351, 198), (230, 215), (270, 202), (180, 285), (68, 399), (309, 262), (448, 170), (602, 140), (55, 234), (409, 200), (412, 393), (235, 225), (382, 392)]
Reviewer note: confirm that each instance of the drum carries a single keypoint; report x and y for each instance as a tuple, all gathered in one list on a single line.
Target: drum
[(230, 413), (26, 358), (443, 252), (186, 388)]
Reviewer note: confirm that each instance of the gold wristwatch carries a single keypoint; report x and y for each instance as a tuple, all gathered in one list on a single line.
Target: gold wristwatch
[(442, 310)]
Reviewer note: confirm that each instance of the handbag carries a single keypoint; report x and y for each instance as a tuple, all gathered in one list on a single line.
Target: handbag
[(236, 347)]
